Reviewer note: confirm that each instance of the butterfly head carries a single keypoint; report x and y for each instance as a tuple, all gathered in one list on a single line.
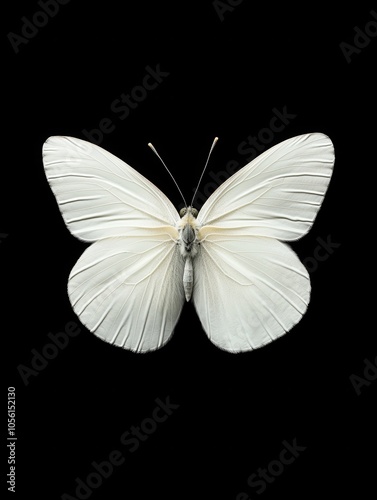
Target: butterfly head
[(188, 211)]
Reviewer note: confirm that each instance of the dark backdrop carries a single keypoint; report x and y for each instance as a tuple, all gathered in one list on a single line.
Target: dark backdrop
[(225, 69)]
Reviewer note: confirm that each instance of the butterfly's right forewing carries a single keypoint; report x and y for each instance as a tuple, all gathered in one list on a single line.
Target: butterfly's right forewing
[(278, 194)]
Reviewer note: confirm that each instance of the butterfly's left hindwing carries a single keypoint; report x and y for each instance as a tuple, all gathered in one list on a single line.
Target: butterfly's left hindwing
[(128, 291)]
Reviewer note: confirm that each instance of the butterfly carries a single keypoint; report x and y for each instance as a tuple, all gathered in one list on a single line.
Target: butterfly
[(231, 258)]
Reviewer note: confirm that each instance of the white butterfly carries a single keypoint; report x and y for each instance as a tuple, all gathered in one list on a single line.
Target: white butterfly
[(248, 287)]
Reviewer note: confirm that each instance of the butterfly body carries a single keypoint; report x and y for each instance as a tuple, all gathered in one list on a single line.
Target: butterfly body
[(188, 245), (232, 259)]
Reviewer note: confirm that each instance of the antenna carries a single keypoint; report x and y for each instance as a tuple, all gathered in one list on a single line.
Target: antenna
[(205, 166), (171, 175)]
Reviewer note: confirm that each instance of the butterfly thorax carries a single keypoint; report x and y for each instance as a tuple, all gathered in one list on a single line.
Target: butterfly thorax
[(188, 230), (188, 246)]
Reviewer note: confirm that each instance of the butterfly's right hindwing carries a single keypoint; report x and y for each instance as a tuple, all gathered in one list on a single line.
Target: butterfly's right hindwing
[(248, 291)]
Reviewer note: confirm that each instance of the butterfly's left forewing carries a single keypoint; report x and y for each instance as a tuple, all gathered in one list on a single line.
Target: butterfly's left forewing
[(100, 195)]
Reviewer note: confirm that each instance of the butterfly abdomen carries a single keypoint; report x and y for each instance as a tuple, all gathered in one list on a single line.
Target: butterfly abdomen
[(188, 278)]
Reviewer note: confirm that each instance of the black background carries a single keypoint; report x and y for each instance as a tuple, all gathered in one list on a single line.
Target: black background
[(225, 78)]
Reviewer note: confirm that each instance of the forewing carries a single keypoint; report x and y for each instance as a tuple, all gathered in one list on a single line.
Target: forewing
[(278, 194), (128, 291), (248, 291), (98, 194)]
